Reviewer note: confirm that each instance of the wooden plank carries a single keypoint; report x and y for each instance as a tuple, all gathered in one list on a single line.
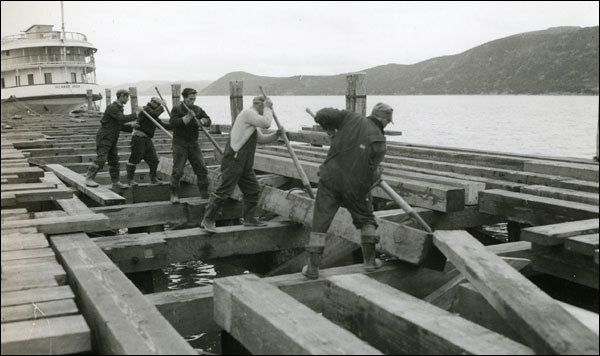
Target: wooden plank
[(268, 321), (23, 242), (426, 195), (564, 264), (86, 223), (471, 305), (27, 254), (560, 193), (584, 244), (36, 295), (13, 198), (406, 243), (100, 194), (24, 173), (58, 335), (27, 186), (533, 210), (401, 324), (445, 296), (536, 316), (141, 252), (556, 234), (587, 172), (39, 310), (125, 323), (74, 206), (29, 281)]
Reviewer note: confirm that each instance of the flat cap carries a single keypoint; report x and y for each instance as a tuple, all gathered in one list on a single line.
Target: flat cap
[(122, 92)]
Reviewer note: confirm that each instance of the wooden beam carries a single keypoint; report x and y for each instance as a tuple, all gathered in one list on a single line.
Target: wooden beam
[(471, 305), (560, 193), (581, 171), (142, 252), (100, 194), (58, 335), (86, 223), (125, 323), (583, 244), (36, 295), (542, 322), (575, 267), (533, 210), (34, 311), (557, 234), (401, 324), (406, 243), (426, 195), (14, 198), (268, 321)]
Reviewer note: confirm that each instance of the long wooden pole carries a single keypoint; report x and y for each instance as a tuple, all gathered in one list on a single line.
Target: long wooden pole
[(212, 140), (157, 124), (303, 177), (403, 204)]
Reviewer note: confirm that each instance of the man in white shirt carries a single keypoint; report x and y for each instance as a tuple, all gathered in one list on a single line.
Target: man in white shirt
[(238, 160)]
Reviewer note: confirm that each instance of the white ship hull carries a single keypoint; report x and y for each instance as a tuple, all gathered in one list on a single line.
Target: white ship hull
[(47, 98)]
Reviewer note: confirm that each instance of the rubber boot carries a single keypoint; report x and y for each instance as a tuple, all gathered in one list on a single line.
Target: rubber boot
[(249, 214), (153, 177), (174, 189), (131, 174), (114, 177), (90, 175), (315, 248), (212, 209), (369, 239)]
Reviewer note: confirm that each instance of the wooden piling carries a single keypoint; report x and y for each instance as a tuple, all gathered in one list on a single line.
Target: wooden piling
[(236, 98), (176, 94), (88, 95), (356, 93), (134, 98), (107, 91)]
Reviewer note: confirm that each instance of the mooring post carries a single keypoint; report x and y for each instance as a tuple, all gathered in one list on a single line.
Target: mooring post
[(356, 93), (236, 98), (88, 94), (176, 94), (134, 98), (107, 91)]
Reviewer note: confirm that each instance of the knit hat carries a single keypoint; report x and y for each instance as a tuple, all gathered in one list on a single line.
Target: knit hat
[(188, 91), (383, 110), (122, 92)]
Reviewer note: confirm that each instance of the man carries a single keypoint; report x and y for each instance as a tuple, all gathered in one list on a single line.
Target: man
[(185, 127), (351, 167), (238, 160), (106, 141), (141, 141)]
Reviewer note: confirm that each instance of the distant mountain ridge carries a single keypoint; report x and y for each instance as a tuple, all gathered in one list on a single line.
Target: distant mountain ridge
[(146, 87), (559, 60)]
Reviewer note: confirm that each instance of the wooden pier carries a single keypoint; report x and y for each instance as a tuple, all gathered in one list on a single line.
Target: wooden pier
[(77, 262)]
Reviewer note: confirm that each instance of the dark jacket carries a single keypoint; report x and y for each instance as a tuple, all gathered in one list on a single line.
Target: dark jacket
[(111, 124), (181, 131), (355, 153), (146, 125)]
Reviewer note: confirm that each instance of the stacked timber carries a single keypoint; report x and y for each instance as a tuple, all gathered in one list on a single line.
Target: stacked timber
[(567, 250)]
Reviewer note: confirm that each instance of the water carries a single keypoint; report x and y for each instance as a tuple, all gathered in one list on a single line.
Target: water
[(563, 126)]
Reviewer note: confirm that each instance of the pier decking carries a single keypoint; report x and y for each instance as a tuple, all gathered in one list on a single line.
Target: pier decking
[(77, 261)]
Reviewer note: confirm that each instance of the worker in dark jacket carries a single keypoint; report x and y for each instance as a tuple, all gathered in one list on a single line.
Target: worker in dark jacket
[(185, 143), (351, 167), (107, 138), (141, 141)]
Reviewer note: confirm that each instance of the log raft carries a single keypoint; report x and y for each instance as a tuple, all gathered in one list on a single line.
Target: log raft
[(72, 255)]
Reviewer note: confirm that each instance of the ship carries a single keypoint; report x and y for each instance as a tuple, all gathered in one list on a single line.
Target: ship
[(47, 72)]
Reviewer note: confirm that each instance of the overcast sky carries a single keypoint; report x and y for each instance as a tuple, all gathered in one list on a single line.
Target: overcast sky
[(206, 40)]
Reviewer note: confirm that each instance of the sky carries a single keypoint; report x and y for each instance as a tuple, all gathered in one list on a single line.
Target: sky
[(175, 41)]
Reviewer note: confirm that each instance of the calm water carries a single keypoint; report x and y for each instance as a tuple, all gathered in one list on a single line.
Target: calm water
[(549, 125)]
